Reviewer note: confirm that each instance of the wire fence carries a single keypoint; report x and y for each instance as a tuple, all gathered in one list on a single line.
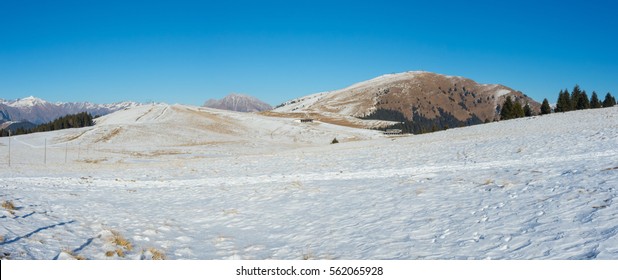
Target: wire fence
[(14, 151)]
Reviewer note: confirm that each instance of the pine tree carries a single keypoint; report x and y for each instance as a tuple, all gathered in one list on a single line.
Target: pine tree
[(609, 100), (564, 101), (559, 103), (518, 111), (594, 101), (507, 109), (575, 96), (582, 101), (545, 108), (527, 110)]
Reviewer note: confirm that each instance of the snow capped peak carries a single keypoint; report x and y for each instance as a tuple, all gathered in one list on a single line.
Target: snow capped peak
[(38, 111), (29, 101)]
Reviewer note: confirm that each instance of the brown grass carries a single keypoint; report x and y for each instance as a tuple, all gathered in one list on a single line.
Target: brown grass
[(120, 253), (119, 240), (75, 136), (9, 206), (110, 135), (156, 153), (74, 255), (156, 254), (94, 161)]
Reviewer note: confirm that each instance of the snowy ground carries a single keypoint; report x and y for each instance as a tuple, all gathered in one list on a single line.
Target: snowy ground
[(242, 186)]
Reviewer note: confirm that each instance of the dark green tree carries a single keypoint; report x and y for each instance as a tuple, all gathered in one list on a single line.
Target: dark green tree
[(506, 112), (518, 110), (545, 108), (527, 110), (594, 101), (582, 101), (564, 101), (575, 96), (609, 100)]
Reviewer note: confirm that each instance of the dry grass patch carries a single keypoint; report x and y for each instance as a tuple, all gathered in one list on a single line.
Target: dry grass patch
[(488, 182), (156, 254), (94, 161), (9, 206), (122, 245), (120, 253), (109, 136), (74, 136), (74, 255), (119, 240)]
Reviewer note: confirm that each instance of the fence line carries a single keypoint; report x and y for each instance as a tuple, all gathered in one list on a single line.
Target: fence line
[(19, 153)]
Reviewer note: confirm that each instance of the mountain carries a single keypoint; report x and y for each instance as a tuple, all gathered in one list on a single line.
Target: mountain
[(424, 98), (37, 111), (239, 103)]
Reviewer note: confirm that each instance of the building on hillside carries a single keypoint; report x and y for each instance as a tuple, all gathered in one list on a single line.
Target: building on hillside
[(393, 131)]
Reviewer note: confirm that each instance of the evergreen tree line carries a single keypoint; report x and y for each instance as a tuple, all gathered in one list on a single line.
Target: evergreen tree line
[(576, 100), (513, 109), (420, 124), (69, 121)]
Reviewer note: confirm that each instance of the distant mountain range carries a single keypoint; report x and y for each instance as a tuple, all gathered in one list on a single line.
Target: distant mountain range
[(239, 103), (421, 98), (418, 101), (36, 111)]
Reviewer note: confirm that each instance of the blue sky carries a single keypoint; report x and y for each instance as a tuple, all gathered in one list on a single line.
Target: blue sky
[(189, 51)]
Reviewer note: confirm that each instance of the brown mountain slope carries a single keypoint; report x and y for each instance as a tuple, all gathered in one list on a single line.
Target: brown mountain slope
[(239, 103), (419, 96)]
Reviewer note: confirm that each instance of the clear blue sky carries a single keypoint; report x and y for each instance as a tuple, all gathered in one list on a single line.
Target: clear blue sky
[(189, 51)]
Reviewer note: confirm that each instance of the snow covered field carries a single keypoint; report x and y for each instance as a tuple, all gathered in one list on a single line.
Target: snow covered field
[(194, 183)]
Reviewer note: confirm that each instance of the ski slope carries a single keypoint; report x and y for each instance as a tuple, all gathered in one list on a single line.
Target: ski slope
[(224, 185)]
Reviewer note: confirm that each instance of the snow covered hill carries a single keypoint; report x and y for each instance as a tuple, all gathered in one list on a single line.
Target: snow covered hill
[(183, 182)]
